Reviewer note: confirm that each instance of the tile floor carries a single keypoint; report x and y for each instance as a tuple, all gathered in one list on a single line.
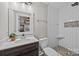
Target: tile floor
[(63, 51)]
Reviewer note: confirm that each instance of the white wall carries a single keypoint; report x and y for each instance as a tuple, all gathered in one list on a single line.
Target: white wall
[(71, 35), (3, 19), (53, 28), (40, 19)]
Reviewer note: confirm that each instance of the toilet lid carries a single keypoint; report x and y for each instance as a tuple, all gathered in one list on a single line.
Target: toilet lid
[(50, 52)]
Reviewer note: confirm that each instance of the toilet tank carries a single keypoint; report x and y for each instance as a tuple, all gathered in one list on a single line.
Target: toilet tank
[(43, 42)]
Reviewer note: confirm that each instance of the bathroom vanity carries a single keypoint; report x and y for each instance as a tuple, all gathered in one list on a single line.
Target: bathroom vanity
[(24, 47), (20, 23)]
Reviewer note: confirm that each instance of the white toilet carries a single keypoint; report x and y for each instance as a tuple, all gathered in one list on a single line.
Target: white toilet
[(43, 42)]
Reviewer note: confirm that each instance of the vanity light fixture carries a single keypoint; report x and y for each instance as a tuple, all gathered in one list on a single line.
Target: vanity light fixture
[(28, 3), (75, 4)]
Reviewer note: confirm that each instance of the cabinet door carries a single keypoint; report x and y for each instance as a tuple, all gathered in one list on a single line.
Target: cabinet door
[(31, 51)]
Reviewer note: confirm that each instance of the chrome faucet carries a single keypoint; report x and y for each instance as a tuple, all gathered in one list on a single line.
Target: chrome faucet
[(23, 36)]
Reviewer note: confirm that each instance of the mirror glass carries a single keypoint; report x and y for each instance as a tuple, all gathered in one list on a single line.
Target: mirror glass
[(23, 23)]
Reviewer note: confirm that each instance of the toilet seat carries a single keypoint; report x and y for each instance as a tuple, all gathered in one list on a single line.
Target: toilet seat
[(50, 52)]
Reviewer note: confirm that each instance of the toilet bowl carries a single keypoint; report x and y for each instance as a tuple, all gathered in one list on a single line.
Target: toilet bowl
[(43, 42)]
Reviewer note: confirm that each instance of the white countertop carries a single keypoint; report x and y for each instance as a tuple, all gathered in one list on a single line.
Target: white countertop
[(5, 44)]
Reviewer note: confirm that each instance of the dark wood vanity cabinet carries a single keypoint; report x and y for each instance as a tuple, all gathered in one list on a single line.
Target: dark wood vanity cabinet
[(23, 50)]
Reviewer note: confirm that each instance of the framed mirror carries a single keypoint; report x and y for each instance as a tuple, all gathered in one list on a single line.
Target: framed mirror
[(20, 22)]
